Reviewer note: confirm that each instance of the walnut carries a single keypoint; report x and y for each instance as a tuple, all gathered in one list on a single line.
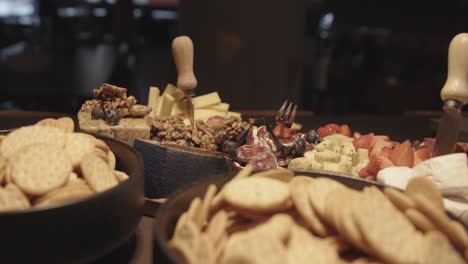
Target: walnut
[(109, 91), (139, 110), (232, 128), (90, 104)]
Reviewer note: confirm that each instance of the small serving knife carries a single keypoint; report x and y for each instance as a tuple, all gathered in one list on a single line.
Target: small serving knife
[(182, 51), (454, 94)]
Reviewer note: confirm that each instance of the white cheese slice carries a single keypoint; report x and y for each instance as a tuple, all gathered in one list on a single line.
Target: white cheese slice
[(203, 101), (177, 93), (204, 114), (153, 96), (397, 177), (166, 105), (448, 171), (222, 107), (178, 108)]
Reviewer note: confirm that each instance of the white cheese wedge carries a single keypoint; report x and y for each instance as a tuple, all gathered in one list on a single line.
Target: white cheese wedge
[(448, 171), (327, 156), (178, 109), (204, 114), (177, 93), (397, 177), (222, 107), (234, 114), (166, 104), (153, 96), (203, 101)]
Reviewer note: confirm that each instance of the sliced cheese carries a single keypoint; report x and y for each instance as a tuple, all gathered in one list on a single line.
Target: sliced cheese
[(158, 106), (204, 114), (234, 114), (166, 104), (222, 107), (203, 101), (153, 96), (178, 108), (177, 93)]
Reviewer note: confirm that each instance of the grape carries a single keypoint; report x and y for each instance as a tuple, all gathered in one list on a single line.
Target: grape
[(313, 137), (97, 113), (298, 148), (228, 146)]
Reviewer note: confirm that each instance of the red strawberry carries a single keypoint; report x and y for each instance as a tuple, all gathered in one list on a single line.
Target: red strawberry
[(402, 155), (421, 155), (328, 130), (356, 135), (386, 152), (364, 173), (364, 142), (377, 163), (281, 131), (380, 146), (345, 130)]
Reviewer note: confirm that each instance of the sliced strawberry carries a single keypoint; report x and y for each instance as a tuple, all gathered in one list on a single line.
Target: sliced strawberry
[(345, 130), (377, 163), (281, 131), (402, 155), (328, 130), (364, 142), (386, 152), (379, 146), (364, 173), (382, 137), (421, 155), (356, 135)]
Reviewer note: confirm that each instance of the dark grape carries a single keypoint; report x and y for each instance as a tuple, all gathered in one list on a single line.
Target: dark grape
[(113, 117), (313, 137), (298, 148), (97, 113), (228, 146)]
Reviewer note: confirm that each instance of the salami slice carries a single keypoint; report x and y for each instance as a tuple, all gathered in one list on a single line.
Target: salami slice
[(246, 153), (264, 161)]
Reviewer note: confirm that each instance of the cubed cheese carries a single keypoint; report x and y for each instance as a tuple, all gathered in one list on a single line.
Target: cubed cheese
[(348, 150), (166, 105), (153, 96), (222, 107), (338, 139), (300, 164), (327, 156), (324, 145), (362, 155), (331, 167), (309, 155), (204, 114), (234, 114), (178, 108), (203, 101)]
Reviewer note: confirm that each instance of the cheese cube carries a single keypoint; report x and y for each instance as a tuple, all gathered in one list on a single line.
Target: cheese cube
[(338, 139), (310, 155), (299, 164), (153, 96), (361, 155), (177, 93), (159, 101), (348, 150), (204, 114), (203, 101), (324, 145), (222, 107), (327, 156), (331, 167), (166, 105)]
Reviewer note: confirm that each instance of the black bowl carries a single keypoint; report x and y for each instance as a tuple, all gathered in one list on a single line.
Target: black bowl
[(79, 231), (168, 214)]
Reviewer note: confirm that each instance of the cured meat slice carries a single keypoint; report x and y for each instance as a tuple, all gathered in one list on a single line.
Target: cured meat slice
[(246, 153), (264, 161)]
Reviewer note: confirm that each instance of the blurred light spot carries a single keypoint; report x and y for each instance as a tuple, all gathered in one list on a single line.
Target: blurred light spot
[(164, 15), (100, 12)]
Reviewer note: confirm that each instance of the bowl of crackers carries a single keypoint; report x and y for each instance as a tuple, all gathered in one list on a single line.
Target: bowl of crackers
[(66, 197), (278, 216)]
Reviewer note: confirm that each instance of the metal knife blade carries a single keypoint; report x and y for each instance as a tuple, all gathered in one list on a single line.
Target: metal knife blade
[(189, 106), (448, 129)]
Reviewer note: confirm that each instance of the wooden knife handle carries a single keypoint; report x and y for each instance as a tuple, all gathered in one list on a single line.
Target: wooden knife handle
[(456, 86), (182, 51)]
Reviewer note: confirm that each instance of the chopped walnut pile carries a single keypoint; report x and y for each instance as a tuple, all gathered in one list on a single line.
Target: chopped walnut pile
[(111, 102), (172, 129)]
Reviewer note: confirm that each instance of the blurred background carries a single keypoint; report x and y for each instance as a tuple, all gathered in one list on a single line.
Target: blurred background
[(329, 56)]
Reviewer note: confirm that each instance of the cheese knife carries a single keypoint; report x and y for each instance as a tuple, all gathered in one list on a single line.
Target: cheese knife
[(182, 51), (454, 94)]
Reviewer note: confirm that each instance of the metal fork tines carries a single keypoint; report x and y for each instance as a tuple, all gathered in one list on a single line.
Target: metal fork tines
[(286, 114)]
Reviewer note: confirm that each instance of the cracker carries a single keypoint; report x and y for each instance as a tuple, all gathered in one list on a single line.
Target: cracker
[(101, 154), (29, 135), (299, 193), (426, 187), (72, 177), (278, 226), (399, 199), (453, 230), (120, 176), (217, 226), (318, 191), (194, 209), (101, 145), (3, 171), (188, 233), (66, 124), (12, 198), (77, 146), (97, 173), (419, 220), (111, 160), (40, 168), (258, 194), (72, 191), (440, 250), (219, 249), (218, 199), (183, 251), (204, 252), (283, 175), (395, 241), (202, 215), (48, 122)]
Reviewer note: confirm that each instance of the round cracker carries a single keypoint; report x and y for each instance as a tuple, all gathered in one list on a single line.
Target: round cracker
[(440, 250), (66, 124), (75, 190), (283, 175), (97, 173), (40, 168), (202, 215), (419, 220), (111, 160), (299, 187), (78, 145), (426, 187), (204, 252), (29, 135), (318, 191), (217, 226), (258, 194), (12, 198), (194, 208), (101, 145), (399, 199), (183, 251), (120, 176), (453, 230)]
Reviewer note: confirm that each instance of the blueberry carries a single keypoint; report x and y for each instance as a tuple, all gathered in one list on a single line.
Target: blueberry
[(97, 113), (298, 148), (228, 146), (113, 117), (313, 137)]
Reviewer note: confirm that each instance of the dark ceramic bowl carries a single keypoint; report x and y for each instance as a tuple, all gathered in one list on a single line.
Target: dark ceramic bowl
[(178, 202), (79, 231)]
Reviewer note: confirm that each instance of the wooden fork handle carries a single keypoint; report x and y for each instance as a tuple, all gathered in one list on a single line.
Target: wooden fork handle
[(456, 86), (182, 51)]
